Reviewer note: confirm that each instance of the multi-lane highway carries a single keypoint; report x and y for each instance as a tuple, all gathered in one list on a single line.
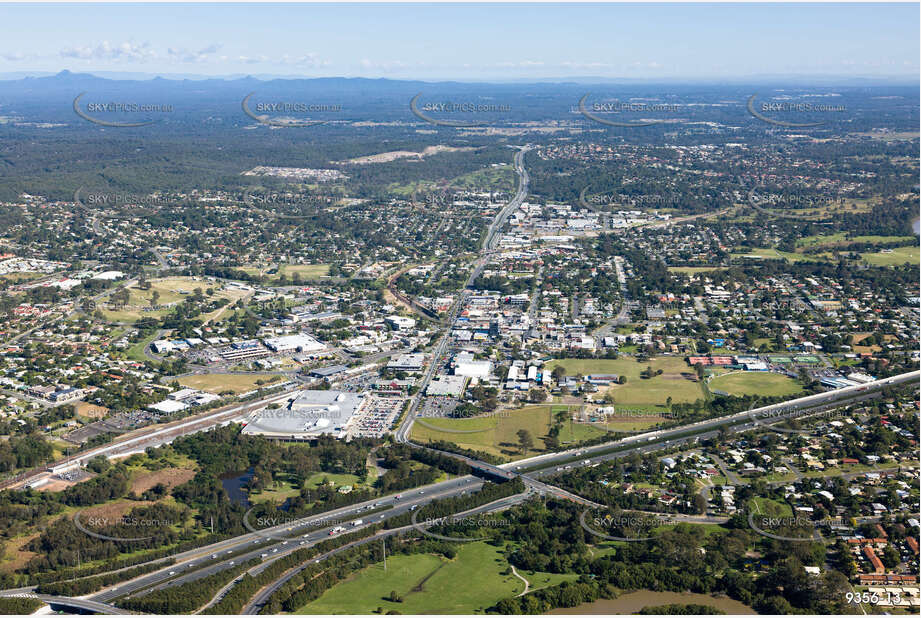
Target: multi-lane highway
[(262, 597), (267, 549), (533, 469), (489, 245), (66, 604), (741, 421), (274, 542), (266, 545), (153, 436)]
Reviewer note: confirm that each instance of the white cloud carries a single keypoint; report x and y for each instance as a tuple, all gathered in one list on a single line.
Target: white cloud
[(106, 51), (185, 56), (252, 59), (140, 53), (383, 65), (17, 56), (521, 64), (307, 60)]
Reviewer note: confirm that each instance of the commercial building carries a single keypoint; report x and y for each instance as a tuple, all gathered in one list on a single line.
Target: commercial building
[(66, 394), (466, 365), (407, 362), (168, 406), (401, 323), (447, 386), (301, 342), (57, 394), (327, 372), (473, 369), (602, 379), (837, 382), (162, 346), (307, 416), (243, 350)]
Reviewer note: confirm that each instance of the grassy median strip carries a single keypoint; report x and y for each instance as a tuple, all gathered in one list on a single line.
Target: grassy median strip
[(185, 598), (79, 587)]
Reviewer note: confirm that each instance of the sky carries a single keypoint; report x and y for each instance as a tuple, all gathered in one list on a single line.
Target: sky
[(465, 42)]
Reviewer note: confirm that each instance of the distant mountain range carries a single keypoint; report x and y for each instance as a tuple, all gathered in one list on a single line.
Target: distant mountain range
[(798, 80), (210, 100)]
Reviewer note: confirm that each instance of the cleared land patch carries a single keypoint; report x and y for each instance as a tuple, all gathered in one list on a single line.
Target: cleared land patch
[(170, 477), (235, 383), (170, 290), (90, 410)]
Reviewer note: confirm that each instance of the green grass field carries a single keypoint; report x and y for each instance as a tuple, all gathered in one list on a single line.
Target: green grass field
[(284, 488), (573, 433), (756, 383), (694, 270), (896, 257), (337, 479), (677, 381), (491, 178), (19, 277), (307, 272), (278, 493), (430, 584), (840, 239), (766, 506), (498, 434), (171, 290), (776, 254), (821, 239), (136, 351), (494, 434)]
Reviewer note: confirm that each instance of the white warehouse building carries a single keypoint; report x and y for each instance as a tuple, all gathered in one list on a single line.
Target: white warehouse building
[(301, 342)]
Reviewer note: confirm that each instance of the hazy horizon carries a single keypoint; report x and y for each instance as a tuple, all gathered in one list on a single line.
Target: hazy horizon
[(812, 80), (474, 42)]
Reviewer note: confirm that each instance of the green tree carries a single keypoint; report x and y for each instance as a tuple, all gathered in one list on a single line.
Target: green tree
[(525, 440)]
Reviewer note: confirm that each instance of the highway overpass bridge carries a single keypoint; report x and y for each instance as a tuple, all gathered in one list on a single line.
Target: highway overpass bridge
[(72, 605)]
